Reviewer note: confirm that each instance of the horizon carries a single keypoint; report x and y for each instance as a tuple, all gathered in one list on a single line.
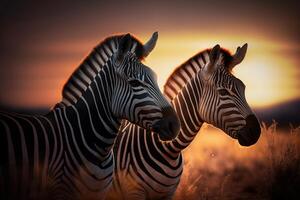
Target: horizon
[(283, 114)]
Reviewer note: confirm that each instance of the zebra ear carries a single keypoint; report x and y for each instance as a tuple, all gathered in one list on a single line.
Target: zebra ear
[(149, 46), (214, 54), (123, 47), (239, 55)]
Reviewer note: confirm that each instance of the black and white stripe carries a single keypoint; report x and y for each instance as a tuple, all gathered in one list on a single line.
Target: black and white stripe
[(66, 154), (203, 89)]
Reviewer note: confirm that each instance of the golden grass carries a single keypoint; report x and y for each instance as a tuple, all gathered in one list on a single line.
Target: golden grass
[(217, 167)]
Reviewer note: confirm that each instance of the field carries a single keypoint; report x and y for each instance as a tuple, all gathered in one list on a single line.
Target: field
[(216, 167)]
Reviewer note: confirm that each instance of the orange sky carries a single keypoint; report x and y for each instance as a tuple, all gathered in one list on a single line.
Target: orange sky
[(42, 43), (271, 76)]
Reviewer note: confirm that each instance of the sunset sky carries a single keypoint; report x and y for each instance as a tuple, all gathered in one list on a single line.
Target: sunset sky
[(42, 42)]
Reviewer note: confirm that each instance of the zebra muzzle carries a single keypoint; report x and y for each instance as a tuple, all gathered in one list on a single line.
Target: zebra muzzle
[(168, 127), (249, 134)]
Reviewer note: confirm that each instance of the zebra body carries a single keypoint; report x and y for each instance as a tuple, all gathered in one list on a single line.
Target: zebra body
[(202, 89), (66, 154), (40, 157)]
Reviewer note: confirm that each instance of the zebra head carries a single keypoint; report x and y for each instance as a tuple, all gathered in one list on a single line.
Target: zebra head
[(224, 104), (137, 96)]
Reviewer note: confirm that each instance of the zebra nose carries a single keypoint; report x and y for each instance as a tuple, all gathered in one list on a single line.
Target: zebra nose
[(168, 127), (249, 135)]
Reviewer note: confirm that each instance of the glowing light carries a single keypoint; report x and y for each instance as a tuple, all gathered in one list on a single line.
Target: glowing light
[(268, 72)]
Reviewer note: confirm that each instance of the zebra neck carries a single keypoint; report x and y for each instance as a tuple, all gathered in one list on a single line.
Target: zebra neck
[(186, 104), (89, 125)]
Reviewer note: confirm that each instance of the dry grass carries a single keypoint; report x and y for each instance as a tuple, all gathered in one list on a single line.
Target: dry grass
[(216, 167)]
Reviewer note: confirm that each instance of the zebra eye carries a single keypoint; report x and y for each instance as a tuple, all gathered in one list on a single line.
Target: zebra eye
[(135, 83), (223, 92)]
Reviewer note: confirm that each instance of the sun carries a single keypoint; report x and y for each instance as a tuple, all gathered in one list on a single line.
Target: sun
[(269, 79)]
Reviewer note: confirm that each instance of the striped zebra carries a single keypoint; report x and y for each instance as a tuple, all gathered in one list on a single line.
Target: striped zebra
[(66, 154), (203, 89)]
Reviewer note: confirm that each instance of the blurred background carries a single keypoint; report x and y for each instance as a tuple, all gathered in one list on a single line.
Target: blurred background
[(43, 42)]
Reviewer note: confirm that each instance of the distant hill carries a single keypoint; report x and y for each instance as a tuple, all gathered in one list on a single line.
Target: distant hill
[(24, 110), (284, 114)]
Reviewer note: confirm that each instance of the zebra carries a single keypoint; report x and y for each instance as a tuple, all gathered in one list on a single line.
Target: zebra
[(67, 153), (203, 89)]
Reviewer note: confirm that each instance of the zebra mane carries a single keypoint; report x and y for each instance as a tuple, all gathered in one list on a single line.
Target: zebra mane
[(91, 65), (187, 70)]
